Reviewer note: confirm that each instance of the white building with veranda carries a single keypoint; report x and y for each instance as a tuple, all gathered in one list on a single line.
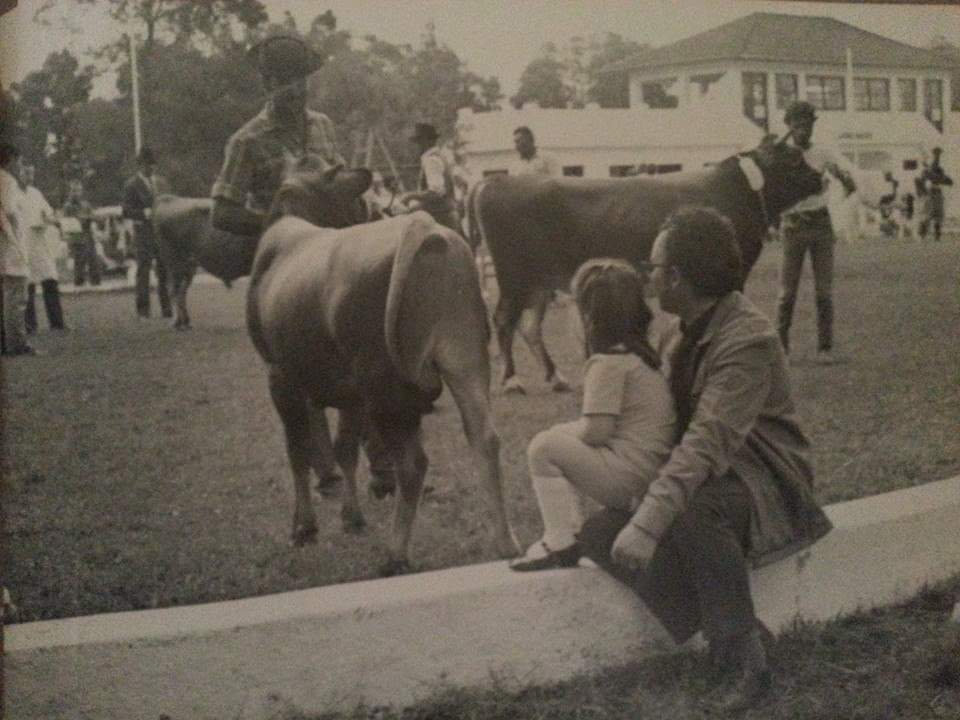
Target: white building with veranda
[(883, 103)]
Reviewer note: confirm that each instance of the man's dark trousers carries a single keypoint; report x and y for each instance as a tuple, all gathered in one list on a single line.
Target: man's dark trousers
[(51, 300), (84, 252), (147, 255), (698, 578)]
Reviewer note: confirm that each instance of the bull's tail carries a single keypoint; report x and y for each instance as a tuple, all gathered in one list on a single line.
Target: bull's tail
[(433, 275), (474, 227)]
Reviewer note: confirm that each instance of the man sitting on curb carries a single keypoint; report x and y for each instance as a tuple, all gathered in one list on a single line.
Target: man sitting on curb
[(738, 486)]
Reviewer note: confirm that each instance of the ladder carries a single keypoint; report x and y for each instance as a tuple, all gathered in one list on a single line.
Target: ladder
[(373, 141)]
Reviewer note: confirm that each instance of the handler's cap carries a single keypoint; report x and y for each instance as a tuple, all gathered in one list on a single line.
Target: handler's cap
[(937, 150), (424, 131), (284, 58), (146, 156), (800, 110)]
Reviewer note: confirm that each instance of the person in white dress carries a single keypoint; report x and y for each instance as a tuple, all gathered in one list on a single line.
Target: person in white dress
[(39, 222), (14, 265)]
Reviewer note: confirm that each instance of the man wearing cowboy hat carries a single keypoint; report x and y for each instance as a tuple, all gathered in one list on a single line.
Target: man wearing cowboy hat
[(435, 188), (139, 195), (807, 227), (284, 131)]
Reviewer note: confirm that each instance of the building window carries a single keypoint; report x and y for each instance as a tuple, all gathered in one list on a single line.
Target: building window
[(573, 170), (825, 92), (755, 98), (907, 94), (491, 173), (622, 170), (705, 80), (655, 94), (787, 91), (933, 102), (871, 94)]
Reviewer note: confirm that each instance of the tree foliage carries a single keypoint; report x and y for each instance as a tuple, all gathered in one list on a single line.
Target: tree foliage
[(45, 126), (572, 75), (196, 88)]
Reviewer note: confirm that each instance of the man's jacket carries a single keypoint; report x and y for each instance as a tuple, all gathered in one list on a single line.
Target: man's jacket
[(745, 421)]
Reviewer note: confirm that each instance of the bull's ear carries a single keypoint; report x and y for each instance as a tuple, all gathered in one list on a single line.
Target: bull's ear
[(357, 179), (330, 176)]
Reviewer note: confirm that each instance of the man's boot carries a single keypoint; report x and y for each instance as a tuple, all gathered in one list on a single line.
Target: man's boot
[(753, 680)]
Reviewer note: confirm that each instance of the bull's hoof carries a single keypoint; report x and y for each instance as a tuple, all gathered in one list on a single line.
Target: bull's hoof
[(329, 485), (513, 386), (353, 521), (560, 384), (395, 567), (383, 485), (304, 536)]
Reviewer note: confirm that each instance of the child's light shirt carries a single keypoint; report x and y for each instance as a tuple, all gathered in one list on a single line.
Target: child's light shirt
[(625, 386)]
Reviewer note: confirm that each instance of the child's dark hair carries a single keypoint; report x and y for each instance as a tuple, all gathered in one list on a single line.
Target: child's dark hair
[(609, 296)]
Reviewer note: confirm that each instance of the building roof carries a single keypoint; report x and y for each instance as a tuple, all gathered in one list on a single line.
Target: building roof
[(786, 38)]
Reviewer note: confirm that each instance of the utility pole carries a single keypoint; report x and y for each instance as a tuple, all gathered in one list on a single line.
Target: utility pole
[(135, 84)]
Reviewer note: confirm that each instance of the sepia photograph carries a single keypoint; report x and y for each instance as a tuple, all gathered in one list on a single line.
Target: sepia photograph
[(479, 359)]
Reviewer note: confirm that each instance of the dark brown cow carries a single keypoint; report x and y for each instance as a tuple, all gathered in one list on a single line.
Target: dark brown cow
[(371, 320), (539, 230), (186, 238)]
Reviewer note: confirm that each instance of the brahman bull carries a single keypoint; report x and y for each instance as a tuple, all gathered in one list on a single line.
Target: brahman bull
[(186, 238), (371, 320), (539, 230)]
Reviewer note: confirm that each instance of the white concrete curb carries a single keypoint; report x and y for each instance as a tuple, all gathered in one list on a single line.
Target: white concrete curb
[(395, 640)]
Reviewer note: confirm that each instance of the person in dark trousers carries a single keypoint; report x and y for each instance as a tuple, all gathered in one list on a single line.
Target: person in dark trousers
[(79, 235), (807, 228), (934, 179), (255, 160), (39, 220), (138, 199), (737, 488), (14, 263)]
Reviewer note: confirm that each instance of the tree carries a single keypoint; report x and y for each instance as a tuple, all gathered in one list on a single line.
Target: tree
[(574, 74), (542, 81), (610, 89), (48, 101), (175, 19)]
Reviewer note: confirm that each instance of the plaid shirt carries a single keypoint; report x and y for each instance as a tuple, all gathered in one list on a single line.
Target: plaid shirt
[(257, 154)]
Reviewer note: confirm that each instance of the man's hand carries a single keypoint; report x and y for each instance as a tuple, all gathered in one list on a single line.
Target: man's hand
[(633, 548)]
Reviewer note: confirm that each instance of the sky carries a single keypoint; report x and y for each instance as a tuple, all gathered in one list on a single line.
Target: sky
[(493, 37)]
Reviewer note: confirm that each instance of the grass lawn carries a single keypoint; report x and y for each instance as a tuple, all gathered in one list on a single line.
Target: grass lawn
[(146, 468)]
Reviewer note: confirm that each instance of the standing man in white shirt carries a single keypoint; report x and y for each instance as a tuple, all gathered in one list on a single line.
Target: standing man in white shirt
[(39, 218), (531, 161), (435, 189), (807, 227), (14, 262)]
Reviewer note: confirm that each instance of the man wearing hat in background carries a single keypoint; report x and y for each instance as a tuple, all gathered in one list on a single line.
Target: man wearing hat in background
[(934, 180), (807, 227), (137, 205), (257, 154), (435, 188)]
